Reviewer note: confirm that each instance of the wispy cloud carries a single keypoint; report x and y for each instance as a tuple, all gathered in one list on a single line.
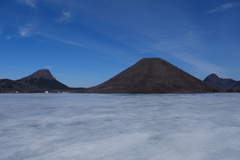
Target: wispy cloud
[(7, 56), (190, 42), (224, 7), (203, 66), (73, 76), (27, 30), (188, 49), (66, 16), (48, 67), (8, 37), (29, 3), (69, 42), (63, 40)]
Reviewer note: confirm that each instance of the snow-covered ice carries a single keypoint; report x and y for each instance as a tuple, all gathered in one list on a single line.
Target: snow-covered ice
[(120, 126)]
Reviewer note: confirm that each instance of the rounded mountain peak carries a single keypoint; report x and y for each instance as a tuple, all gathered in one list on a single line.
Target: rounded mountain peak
[(43, 73), (212, 76), (151, 60)]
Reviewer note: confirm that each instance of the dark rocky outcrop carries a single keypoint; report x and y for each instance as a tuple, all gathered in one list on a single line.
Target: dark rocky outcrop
[(37, 82), (10, 86), (224, 84), (152, 75), (43, 79)]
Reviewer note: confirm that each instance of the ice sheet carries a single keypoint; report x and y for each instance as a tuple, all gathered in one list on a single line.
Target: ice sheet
[(119, 126)]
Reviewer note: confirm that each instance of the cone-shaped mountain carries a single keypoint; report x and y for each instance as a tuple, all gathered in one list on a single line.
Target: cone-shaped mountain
[(152, 75)]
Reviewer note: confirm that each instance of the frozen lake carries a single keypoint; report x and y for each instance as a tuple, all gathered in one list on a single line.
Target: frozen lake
[(119, 126)]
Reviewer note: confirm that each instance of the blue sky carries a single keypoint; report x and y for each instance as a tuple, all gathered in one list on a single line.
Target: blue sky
[(84, 43)]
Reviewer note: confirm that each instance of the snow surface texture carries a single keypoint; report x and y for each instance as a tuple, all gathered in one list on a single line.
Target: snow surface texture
[(119, 126)]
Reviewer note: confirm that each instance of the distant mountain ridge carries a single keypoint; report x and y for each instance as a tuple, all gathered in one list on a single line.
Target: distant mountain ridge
[(149, 75), (225, 84)]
